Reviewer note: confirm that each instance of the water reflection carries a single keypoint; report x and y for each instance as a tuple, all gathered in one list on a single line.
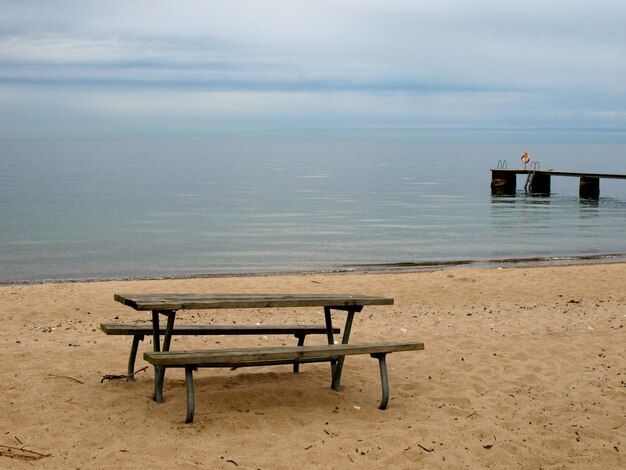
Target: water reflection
[(586, 203)]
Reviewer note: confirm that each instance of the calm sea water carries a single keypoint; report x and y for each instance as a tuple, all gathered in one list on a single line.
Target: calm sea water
[(79, 210)]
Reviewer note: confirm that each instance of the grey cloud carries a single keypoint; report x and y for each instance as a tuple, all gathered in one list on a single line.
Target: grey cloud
[(515, 62)]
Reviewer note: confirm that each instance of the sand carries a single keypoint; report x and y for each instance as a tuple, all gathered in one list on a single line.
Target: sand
[(523, 368)]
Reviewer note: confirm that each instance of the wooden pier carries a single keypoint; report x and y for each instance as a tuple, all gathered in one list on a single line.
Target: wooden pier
[(504, 181)]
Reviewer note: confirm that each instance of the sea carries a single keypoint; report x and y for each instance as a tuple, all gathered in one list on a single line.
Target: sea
[(94, 210)]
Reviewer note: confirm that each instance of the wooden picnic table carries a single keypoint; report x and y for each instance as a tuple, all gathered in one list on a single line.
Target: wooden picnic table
[(169, 304)]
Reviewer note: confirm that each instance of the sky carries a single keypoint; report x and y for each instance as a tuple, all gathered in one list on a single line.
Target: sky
[(449, 70)]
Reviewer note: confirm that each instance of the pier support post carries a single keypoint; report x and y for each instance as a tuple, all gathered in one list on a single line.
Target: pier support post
[(589, 187), (503, 183), (540, 184)]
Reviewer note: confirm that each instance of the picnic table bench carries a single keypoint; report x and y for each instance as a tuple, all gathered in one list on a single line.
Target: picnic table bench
[(139, 331), (169, 304), (192, 360)]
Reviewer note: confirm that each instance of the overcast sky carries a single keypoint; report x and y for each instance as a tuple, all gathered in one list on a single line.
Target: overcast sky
[(485, 70)]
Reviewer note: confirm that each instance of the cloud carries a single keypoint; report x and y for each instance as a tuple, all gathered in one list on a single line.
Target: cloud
[(452, 63)]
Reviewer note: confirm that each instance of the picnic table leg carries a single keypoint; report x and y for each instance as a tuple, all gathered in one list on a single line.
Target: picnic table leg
[(338, 368), (336, 365), (191, 403), (156, 345), (156, 339), (133, 355), (331, 340), (296, 365), (383, 378), (159, 371)]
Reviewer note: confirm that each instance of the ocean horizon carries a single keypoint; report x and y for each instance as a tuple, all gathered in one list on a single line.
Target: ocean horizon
[(95, 210)]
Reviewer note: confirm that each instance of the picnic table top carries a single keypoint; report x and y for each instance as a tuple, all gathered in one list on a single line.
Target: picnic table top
[(207, 301)]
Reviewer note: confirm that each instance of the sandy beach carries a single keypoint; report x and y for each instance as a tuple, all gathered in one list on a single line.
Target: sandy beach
[(523, 368)]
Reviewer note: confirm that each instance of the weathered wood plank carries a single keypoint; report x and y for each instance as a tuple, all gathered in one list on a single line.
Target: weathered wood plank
[(129, 329), (214, 301), (252, 355)]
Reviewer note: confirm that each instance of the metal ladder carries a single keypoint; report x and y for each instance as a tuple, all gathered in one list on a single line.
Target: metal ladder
[(531, 176)]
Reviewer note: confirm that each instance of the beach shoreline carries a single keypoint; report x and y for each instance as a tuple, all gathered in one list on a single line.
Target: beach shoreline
[(523, 367), (356, 268)]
